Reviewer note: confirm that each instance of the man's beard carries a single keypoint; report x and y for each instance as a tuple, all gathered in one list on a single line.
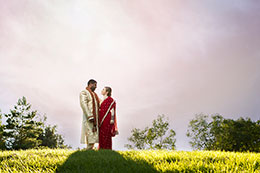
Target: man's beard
[(93, 89)]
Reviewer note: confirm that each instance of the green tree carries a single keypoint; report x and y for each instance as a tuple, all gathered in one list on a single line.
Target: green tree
[(2, 140), (154, 137), (238, 135), (217, 132), (22, 129), (198, 131), (224, 134), (50, 138), (26, 129)]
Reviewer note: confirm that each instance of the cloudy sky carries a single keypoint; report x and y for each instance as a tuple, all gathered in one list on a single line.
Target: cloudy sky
[(171, 57)]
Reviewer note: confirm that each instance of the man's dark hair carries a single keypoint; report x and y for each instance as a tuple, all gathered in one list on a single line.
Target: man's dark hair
[(91, 81)]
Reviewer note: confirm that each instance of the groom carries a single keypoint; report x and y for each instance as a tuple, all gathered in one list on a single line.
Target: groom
[(89, 103)]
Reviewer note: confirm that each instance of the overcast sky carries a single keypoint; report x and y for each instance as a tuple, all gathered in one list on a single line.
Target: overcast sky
[(172, 57)]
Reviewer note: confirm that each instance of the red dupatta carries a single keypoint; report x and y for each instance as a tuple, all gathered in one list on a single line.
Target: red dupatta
[(114, 130), (106, 106)]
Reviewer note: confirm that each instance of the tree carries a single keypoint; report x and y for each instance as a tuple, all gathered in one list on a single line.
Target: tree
[(26, 129), (2, 141), (217, 132), (238, 135), (50, 138), (224, 134), (22, 130), (198, 131), (154, 137)]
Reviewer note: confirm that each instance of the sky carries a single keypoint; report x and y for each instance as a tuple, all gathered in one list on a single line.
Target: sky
[(172, 57)]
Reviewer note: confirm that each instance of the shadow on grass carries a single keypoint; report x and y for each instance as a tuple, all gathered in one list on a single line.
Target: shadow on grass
[(102, 161)]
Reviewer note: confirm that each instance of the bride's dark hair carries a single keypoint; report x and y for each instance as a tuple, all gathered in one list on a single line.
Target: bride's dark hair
[(109, 91)]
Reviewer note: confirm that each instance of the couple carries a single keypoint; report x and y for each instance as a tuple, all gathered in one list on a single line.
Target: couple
[(99, 117)]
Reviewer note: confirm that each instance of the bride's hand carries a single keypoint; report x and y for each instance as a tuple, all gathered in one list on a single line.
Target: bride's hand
[(111, 121)]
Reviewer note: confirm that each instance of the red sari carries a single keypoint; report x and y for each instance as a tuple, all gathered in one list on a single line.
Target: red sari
[(107, 130)]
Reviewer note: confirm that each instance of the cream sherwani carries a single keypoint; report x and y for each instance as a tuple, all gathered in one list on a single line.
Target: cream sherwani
[(86, 103)]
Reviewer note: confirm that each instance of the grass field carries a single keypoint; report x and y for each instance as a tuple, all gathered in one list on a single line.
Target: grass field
[(60, 160)]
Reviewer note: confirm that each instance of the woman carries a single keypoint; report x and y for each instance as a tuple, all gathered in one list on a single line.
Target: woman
[(107, 120)]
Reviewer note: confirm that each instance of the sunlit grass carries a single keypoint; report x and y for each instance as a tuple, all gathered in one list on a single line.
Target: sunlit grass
[(63, 160)]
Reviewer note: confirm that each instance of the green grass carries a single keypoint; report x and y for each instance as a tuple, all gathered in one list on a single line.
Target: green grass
[(60, 160)]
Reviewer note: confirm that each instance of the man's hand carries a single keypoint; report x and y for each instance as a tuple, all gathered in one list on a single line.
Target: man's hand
[(94, 129), (91, 120)]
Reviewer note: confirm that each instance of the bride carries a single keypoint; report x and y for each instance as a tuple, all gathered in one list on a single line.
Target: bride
[(107, 120)]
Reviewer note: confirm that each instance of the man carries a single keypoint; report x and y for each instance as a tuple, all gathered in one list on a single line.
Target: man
[(89, 103)]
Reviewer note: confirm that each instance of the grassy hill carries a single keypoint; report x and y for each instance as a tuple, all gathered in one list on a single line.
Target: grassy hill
[(60, 160)]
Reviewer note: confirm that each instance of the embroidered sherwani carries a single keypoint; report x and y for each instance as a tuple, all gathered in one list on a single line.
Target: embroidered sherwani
[(88, 135)]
